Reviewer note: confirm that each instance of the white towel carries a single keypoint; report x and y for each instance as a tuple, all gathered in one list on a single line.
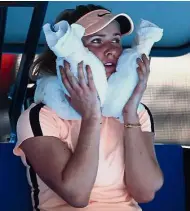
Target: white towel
[(66, 44), (122, 83)]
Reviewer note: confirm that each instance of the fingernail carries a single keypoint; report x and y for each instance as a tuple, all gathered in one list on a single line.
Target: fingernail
[(67, 64), (80, 64)]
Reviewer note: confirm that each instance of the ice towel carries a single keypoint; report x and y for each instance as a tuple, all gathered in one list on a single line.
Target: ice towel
[(66, 42)]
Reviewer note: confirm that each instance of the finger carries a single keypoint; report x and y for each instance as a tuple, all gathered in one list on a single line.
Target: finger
[(141, 65), (66, 64), (71, 78), (141, 87), (90, 78), (140, 74), (65, 80), (81, 76), (146, 62)]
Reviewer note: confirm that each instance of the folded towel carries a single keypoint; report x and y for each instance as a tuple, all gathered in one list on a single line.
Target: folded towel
[(66, 43), (122, 83)]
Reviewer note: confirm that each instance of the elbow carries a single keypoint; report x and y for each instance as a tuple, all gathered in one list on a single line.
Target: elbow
[(158, 183), (78, 203), (74, 198), (144, 197), (147, 194), (75, 201)]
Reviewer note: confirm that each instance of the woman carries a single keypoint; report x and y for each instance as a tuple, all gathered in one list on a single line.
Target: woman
[(96, 163)]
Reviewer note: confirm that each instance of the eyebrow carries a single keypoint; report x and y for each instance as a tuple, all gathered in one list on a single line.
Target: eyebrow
[(103, 35)]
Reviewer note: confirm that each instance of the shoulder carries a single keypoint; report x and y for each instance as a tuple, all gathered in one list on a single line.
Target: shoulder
[(39, 120), (36, 114)]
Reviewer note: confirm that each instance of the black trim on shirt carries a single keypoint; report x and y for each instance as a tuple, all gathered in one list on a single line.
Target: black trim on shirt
[(37, 131), (151, 117)]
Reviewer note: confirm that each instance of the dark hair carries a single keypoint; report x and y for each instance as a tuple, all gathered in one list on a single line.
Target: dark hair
[(46, 61)]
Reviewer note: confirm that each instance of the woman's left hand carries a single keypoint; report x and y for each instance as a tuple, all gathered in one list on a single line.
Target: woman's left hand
[(143, 72)]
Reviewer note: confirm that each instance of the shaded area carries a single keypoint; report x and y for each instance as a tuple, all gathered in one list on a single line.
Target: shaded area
[(171, 112), (156, 12)]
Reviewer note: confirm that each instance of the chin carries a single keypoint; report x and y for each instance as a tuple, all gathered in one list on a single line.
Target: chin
[(109, 74)]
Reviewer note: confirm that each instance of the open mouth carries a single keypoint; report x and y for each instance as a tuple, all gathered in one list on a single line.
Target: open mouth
[(110, 68), (109, 64)]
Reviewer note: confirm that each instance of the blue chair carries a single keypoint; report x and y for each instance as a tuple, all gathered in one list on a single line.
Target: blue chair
[(171, 197), (15, 191), (14, 188)]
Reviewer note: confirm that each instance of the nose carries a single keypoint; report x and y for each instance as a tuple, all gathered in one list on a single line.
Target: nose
[(111, 52)]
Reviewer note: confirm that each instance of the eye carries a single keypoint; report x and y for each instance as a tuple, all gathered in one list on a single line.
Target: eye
[(116, 40), (96, 40)]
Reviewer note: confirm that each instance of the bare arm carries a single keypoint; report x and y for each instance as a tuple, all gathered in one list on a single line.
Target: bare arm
[(143, 175), (71, 176), (80, 173)]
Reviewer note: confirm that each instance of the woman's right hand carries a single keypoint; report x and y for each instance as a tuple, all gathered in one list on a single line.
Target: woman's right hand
[(84, 98)]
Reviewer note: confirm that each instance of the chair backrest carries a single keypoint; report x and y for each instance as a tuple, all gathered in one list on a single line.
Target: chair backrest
[(171, 196), (15, 191)]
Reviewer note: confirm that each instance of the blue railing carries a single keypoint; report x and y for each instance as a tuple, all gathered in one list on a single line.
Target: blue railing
[(29, 51)]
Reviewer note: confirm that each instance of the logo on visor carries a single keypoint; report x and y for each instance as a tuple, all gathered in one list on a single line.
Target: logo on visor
[(101, 15)]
